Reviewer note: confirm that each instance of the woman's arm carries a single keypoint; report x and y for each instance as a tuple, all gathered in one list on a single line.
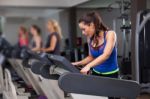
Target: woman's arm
[(111, 40), (52, 42), (85, 61)]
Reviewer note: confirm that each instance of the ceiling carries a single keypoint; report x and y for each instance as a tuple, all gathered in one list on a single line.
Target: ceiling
[(41, 3), (33, 8), (58, 3), (101, 3)]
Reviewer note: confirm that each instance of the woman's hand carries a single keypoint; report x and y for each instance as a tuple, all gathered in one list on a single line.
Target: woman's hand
[(75, 63), (85, 70), (42, 50)]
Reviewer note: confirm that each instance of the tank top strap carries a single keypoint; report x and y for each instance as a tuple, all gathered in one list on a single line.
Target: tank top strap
[(90, 41), (105, 35)]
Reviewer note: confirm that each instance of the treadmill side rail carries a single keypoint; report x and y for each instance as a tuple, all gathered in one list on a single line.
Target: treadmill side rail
[(99, 86)]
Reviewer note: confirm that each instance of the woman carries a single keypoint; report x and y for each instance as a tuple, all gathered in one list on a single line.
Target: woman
[(23, 37), (102, 58), (54, 37), (37, 40)]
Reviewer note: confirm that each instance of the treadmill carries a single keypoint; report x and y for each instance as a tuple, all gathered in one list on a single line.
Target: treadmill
[(74, 82), (43, 86), (71, 81)]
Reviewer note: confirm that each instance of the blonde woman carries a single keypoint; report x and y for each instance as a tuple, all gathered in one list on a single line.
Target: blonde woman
[(54, 37)]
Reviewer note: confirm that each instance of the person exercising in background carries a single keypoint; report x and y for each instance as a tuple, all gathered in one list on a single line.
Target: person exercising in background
[(102, 58), (36, 39), (54, 38), (23, 37)]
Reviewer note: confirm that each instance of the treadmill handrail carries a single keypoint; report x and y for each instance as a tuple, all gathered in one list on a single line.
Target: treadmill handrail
[(27, 55), (10, 88), (38, 57), (99, 86), (62, 62)]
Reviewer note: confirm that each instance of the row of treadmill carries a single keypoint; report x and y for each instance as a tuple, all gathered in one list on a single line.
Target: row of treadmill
[(47, 76)]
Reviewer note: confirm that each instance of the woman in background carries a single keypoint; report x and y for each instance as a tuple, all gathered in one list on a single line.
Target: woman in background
[(23, 37), (54, 38), (37, 40)]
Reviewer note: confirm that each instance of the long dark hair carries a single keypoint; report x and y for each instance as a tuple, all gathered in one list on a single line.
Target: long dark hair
[(94, 17), (38, 30)]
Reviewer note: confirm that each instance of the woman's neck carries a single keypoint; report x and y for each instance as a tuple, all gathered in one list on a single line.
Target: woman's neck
[(100, 34), (36, 35), (98, 39), (52, 31)]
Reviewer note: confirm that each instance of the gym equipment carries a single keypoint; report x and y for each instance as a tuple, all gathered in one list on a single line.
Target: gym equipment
[(35, 67), (5, 47), (47, 87), (42, 86), (27, 54), (76, 77), (142, 48), (124, 37), (19, 69), (87, 84), (39, 84), (99, 86), (1, 74), (45, 72), (10, 90), (2, 60), (41, 65), (63, 63)]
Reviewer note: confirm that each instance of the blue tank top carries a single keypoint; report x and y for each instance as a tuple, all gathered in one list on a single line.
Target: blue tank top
[(110, 66)]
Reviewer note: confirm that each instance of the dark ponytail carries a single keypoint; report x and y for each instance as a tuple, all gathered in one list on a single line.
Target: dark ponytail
[(94, 17)]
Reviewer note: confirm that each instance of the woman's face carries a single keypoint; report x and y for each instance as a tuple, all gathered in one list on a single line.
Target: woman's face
[(87, 30), (32, 30), (20, 30), (49, 26)]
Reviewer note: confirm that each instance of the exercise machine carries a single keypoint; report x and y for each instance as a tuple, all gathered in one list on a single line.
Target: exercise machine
[(74, 82), (142, 48)]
